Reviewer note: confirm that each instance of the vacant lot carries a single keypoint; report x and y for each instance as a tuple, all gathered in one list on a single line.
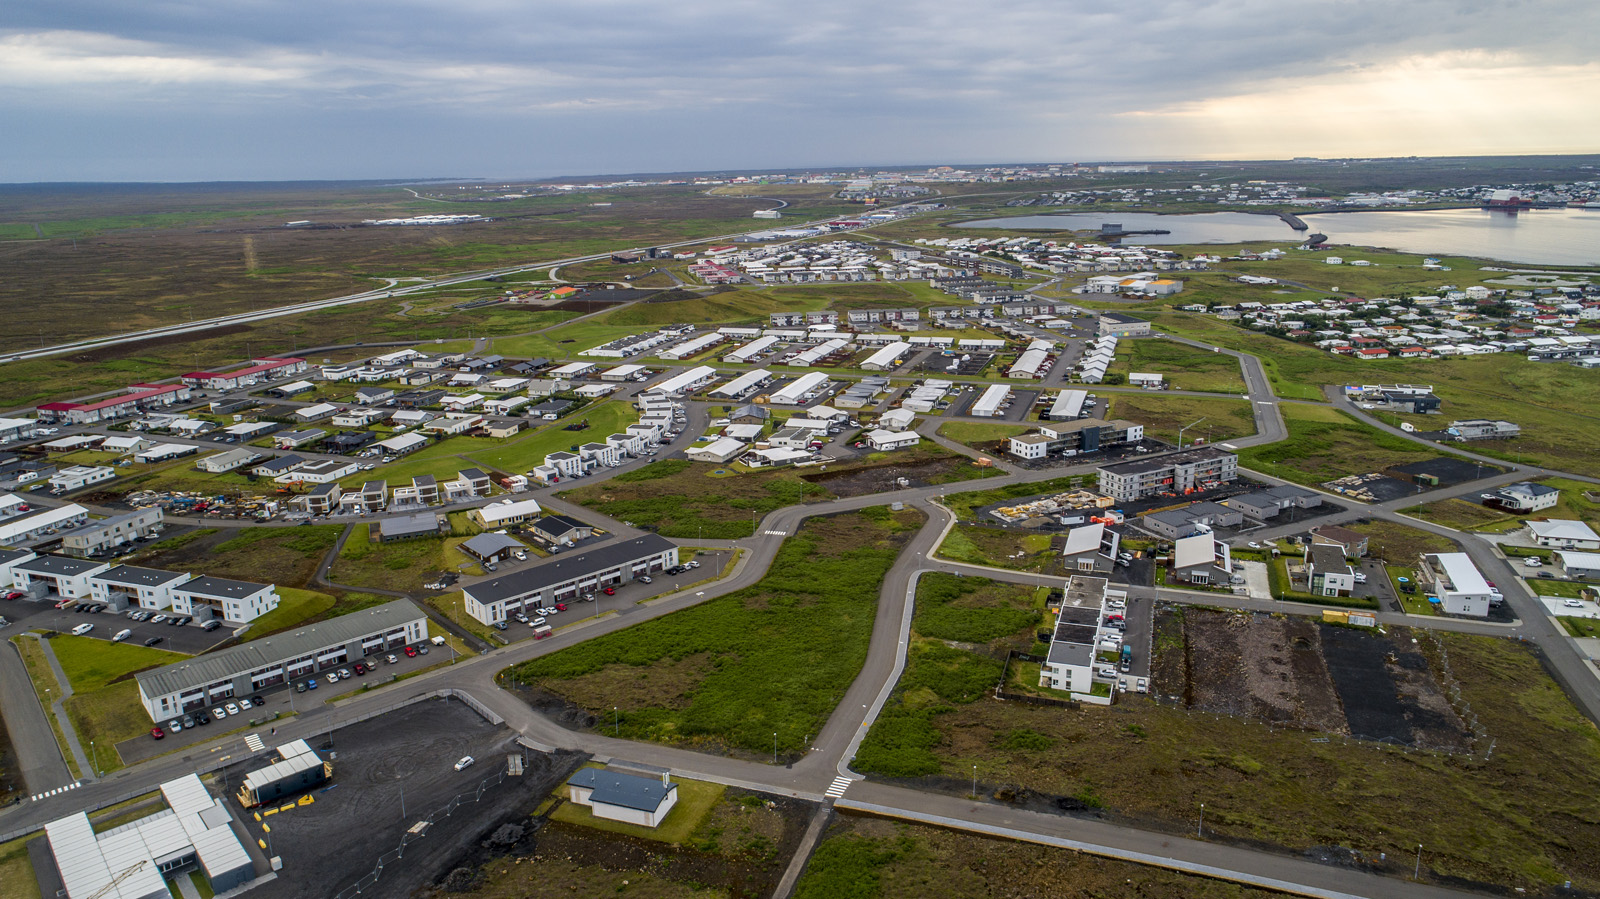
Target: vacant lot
[(1398, 543), (285, 556), (403, 565), (1325, 444), (772, 658), (868, 858), (977, 610), (1463, 515), (1212, 420), (1185, 367), (981, 435), (691, 501), (965, 505), (919, 466), (998, 548), (1526, 807)]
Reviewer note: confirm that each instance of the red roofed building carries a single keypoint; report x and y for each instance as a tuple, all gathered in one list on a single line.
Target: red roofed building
[(1373, 353), (258, 370), (139, 398)]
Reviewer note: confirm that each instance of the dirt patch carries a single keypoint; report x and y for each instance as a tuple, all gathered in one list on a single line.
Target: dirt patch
[(665, 684), (1296, 672), (740, 851), (881, 478)]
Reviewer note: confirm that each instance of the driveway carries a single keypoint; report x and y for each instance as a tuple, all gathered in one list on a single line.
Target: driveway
[(1256, 580)]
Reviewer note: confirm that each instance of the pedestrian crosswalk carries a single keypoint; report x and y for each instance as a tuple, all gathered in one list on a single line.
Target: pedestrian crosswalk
[(48, 793), (777, 533), (254, 742), (840, 784)]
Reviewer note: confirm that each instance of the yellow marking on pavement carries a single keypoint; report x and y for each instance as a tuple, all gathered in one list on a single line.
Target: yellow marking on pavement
[(307, 800), (261, 843), (286, 807), (258, 815), (270, 811)]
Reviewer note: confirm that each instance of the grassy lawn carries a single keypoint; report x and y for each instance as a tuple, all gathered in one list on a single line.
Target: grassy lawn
[(1414, 603), (286, 556), (402, 565), (452, 607), (1400, 543), (1163, 415), (1527, 809), (1564, 589), (980, 435), (16, 871), (772, 658), (1325, 444), (294, 606), (685, 499), (966, 505), (695, 799), (998, 548), (104, 705), (1185, 367), (1464, 515), (1581, 627)]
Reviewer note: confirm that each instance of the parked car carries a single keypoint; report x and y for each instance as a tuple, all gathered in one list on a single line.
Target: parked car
[(1532, 562), (158, 733), (646, 579), (332, 677), (82, 629), (390, 658), (344, 673), (692, 564), (212, 625), (498, 625), (1361, 577), (611, 591), (411, 652), (173, 727), (311, 684), (188, 721), (154, 640), (300, 688), (219, 713), (244, 705), (233, 708), (1572, 604)]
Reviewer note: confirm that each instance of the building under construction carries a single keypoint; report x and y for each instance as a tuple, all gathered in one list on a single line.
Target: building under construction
[(298, 769)]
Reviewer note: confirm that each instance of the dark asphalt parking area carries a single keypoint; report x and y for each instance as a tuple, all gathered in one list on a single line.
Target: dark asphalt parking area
[(389, 773), (26, 614)]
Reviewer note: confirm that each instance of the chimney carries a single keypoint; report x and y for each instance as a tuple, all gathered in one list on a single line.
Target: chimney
[(664, 779)]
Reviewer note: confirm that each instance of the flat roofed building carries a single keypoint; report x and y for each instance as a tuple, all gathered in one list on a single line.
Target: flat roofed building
[(568, 577), (1173, 474), (131, 861), (1191, 519), (129, 585), (241, 670), (1069, 665), (1117, 324), (60, 575), (101, 536), (410, 527), (1460, 585), (39, 522), (209, 597)]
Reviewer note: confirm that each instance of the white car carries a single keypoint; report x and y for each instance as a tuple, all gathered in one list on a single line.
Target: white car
[(1531, 562), (333, 677), (232, 709), (1144, 685), (1572, 603), (1361, 577), (82, 629), (466, 762), (219, 713), (244, 705)]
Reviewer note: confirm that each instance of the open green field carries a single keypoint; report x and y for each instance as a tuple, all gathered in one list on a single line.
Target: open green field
[(1548, 400), (874, 858), (295, 606), (1464, 515), (1163, 416), (401, 565), (1400, 543), (771, 658), (16, 871), (745, 306), (1325, 444), (977, 610), (104, 706), (998, 547), (521, 453), (285, 556), (1581, 627), (980, 435), (965, 505), (689, 501), (1185, 367), (1521, 818)]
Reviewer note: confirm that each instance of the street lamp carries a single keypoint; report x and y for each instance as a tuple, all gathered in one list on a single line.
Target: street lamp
[(94, 760), (1202, 831), (974, 781), (1417, 875), (616, 721), (774, 747)]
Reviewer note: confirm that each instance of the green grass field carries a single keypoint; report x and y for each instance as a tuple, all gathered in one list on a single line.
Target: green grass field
[(1185, 367), (402, 565), (772, 658), (1325, 444), (965, 505), (521, 453), (998, 548), (104, 706), (1214, 420), (980, 435), (690, 501)]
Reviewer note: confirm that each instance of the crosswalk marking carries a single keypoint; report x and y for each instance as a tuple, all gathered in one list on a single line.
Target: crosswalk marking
[(48, 793), (777, 533), (254, 742), (840, 784)]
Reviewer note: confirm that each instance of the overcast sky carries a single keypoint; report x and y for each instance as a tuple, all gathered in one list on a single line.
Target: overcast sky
[(182, 90)]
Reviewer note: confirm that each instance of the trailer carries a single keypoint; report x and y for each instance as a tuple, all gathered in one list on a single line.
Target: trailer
[(298, 768)]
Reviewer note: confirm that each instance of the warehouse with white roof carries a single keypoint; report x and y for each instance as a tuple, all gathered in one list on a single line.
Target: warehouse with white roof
[(886, 358), (989, 404), (743, 386), (796, 392), (686, 382), (752, 350)]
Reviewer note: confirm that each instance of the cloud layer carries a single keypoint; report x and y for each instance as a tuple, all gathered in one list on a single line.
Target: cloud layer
[(283, 89)]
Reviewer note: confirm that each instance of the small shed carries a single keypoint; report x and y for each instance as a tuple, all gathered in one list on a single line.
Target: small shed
[(624, 797)]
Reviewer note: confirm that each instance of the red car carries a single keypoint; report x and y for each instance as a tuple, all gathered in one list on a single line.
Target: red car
[(411, 651), (157, 732), (611, 591), (15, 594), (561, 607)]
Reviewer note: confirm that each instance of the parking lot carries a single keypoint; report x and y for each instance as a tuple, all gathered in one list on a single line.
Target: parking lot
[(711, 562), (285, 700), (26, 614), (389, 773)]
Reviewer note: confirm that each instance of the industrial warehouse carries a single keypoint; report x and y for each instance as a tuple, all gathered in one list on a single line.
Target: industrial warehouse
[(240, 670), (570, 577)]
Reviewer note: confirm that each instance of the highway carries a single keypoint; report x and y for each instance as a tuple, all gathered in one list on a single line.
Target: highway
[(832, 749)]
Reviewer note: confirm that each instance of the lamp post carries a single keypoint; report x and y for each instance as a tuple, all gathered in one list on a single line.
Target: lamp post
[(616, 721), (1202, 831), (974, 781), (1417, 875), (94, 761), (774, 747)]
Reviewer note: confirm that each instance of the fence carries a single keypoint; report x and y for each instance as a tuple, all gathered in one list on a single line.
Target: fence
[(215, 764), (416, 832)]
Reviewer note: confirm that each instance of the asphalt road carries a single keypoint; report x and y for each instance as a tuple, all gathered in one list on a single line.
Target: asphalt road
[(832, 748)]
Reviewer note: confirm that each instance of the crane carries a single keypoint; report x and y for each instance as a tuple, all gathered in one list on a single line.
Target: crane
[(126, 873)]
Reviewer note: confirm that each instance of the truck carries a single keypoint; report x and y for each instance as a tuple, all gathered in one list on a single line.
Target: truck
[(1127, 657)]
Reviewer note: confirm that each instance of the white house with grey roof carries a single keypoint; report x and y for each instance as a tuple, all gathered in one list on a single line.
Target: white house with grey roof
[(569, 576), (240, 670), (616, 796), (63, 576), (210, 597), (1563, 533), (129, 585), (1069, 665)]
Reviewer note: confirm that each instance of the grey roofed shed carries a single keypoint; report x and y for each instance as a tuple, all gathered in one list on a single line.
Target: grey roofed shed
[(624, 790), (489, 546)]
